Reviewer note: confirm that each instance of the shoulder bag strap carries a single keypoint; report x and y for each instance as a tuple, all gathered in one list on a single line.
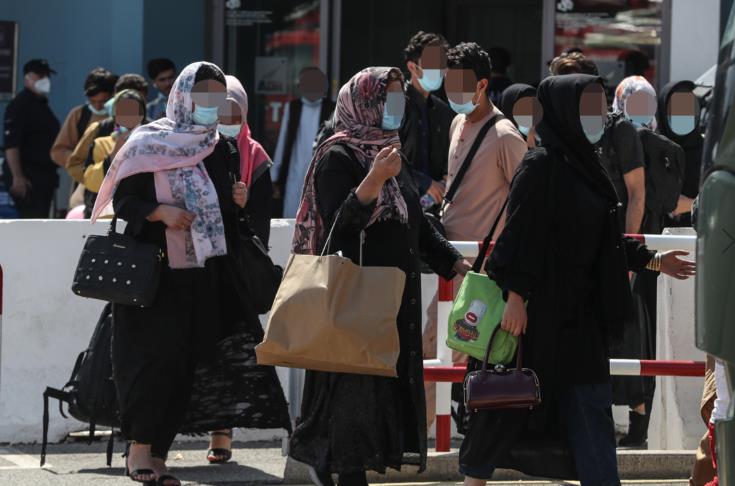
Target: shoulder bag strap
[(477, 266), (449, 197)]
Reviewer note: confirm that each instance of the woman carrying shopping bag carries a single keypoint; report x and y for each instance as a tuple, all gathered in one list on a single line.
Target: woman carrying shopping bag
[(351, 423)]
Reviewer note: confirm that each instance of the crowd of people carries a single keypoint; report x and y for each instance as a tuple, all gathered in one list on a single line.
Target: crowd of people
[(397, 167)]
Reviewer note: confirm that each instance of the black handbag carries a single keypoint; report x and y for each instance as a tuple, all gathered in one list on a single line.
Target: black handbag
[(254, 268), (116, 268), (501, 387)]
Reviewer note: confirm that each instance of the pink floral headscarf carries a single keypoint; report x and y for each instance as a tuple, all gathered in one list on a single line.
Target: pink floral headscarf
[(628, 86), (358, 117), (173, 149)]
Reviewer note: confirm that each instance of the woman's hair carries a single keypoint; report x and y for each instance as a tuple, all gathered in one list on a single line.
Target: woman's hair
[(469, 55), (132, 94), (210, 71)]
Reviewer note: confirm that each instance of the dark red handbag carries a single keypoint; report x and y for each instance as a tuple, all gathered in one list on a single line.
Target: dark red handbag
[(501, 387)]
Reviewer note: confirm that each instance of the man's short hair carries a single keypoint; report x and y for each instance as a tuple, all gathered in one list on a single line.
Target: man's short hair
[(99, 80), (572, 63), (419, 42), (132, 81), (469, 55), (159, 65), (500, 59)]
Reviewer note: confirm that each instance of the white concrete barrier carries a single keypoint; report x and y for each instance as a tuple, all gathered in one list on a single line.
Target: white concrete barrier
[(44, 326)]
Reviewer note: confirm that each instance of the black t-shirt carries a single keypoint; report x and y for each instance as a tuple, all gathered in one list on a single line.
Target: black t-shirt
[(31, 127), (621, 152)]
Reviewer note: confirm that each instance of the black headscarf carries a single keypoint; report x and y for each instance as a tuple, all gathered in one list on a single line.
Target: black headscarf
[(662, 115), (513, 93), (563, 138), (692, 143), (561, 129)]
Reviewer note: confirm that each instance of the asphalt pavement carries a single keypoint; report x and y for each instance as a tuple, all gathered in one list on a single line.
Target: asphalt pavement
[(80, 464)]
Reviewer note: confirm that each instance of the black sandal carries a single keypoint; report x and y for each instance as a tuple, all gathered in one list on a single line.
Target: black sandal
[(167, 477), (221, 456), (136, 473)]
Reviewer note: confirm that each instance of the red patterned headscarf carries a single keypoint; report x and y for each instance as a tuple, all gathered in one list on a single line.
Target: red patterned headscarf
[(358, 118)]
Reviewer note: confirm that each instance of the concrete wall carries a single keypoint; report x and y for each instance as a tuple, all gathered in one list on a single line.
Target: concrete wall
[(44, 326), (695, 37)]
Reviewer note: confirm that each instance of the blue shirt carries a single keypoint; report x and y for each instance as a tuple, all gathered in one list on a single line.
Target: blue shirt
[(157, 108)]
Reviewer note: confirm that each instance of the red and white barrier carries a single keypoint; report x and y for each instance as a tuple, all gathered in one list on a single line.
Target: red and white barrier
[(618, 367), (442, 371)]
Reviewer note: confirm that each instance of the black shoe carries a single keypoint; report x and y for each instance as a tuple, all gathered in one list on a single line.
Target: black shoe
[(637, 431), (353, 479), (320, 478), (167, 477)]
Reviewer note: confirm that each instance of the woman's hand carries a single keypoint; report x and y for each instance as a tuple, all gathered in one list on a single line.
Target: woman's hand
[(240, 194), (462, 266), (172, 217), (387, 164), (675, 267), (515, 318)]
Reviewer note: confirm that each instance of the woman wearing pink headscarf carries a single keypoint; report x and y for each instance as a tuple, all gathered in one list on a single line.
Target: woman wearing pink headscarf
[(175, 183), (254, 173), (353, 423)]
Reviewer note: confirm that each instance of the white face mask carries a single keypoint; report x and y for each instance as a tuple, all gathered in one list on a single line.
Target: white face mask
[(43, 86)]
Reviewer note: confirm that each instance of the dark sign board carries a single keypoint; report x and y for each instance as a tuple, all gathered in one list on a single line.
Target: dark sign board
[(8, 58)]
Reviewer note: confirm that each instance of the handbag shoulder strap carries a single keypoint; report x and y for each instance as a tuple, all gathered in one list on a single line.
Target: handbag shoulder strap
[(449, 196), (477, 266)]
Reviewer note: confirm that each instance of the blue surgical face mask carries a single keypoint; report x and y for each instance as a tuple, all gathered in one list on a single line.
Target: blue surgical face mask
[(229, 130), (524, 123), (682, 124), (395, 105), (108, 106), (524, 130), (640, 120), (431, 80), (463, 108), (204, 115), (95, 111), (593, 127)]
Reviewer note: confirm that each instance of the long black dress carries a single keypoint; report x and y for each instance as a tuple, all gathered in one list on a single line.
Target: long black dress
[(157, 350), (562, 251), (352, 423)]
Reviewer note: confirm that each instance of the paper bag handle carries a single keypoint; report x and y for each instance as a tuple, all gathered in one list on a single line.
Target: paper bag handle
[(331, 231)]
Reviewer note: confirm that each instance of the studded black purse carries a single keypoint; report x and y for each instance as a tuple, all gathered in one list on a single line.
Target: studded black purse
[(116, 268)]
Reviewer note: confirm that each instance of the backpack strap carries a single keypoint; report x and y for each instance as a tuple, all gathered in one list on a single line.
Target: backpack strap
[(62, 397), (452, 190), (83, 121)]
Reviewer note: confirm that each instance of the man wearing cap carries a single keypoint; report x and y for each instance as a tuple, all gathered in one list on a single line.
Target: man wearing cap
[(98, 88), (30, 129)]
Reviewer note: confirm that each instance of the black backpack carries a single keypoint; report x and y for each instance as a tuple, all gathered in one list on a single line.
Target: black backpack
[(665, 164), (90, 392)]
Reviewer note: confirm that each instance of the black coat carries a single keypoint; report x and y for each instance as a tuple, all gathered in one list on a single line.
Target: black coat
[(357, 422), (440, 118), (561, 249)]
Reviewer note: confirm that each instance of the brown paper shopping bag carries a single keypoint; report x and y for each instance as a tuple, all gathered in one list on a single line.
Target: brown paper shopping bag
[(332, 315)]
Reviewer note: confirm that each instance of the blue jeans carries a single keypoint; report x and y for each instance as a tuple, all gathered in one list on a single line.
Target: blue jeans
[(586, 412)]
